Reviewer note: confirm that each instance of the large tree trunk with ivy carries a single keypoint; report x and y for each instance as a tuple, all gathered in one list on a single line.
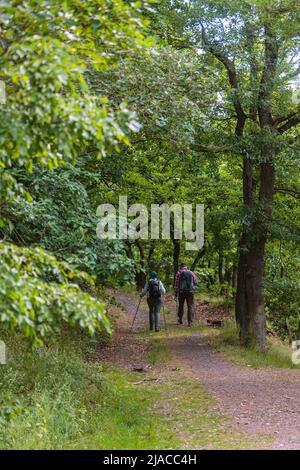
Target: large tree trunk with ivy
[(250, 313), (176, 255), (258, 196), (245, 38), (249, 299)]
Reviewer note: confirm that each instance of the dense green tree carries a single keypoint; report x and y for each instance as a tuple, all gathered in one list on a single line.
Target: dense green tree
[(252, 45), (47, 118)]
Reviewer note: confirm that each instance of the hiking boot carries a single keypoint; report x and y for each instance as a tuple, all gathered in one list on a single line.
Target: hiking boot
[(157, 330), (179, 322), (190, 323)]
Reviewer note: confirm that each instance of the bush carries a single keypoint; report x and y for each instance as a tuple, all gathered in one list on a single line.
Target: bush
[(282, 301), (38, 293)]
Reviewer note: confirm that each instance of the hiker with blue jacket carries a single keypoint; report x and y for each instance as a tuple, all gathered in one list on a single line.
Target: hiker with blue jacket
[(184, 287), (154, 290)]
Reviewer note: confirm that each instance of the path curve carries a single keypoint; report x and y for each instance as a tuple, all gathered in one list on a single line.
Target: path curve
[(263, 400), (258, 400)]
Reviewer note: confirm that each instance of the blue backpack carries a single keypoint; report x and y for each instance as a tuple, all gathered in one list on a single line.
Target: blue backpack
[(186, 281), (154, 290)]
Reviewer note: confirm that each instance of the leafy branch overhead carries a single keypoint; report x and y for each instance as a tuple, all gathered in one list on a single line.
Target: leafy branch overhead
[(48, 118), (38, 293)]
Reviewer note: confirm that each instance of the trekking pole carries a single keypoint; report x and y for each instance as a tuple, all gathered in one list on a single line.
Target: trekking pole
[(136, 312), (165, 322)]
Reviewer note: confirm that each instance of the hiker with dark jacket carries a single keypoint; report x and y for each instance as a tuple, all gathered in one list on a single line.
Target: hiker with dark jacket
[(154, 290), (184, 287)]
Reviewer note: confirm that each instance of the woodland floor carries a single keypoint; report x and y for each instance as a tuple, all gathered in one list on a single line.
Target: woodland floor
[(261, 405)]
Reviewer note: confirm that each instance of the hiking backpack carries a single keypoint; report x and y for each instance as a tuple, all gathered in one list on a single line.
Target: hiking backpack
[(154, 290), (186, 281)]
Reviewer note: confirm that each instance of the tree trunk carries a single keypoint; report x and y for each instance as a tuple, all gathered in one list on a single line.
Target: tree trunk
[(249, 298), (250, 314), (228, 275), (140, 280), (199, 256), (176, 255), (221, 273), (168, 280), (298, 333), (151, 261), (234, 277), (227, 281), (140, 275), (288, 327), (220, 269)]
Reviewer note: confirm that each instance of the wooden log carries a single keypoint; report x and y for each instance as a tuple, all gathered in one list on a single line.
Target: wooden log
[(214, 323)]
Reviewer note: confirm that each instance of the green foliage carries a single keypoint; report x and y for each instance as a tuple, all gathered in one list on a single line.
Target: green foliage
[(49, 113), (282, 300), (62, 219), (38, 292), (49, 116)]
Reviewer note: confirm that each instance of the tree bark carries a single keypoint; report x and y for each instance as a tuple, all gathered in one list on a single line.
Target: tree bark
[(298, 332), (198, 257), (234, 277), (221, 273), (140, 280), (176, 255), (140, 275), (249, 298), (250, 313)]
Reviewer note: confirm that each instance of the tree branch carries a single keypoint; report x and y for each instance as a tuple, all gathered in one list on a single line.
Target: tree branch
[(280, 119), (281, 10), (293, 74), (293, 121), (211, 148), (267, 78), (254, 69), (199, 255), (229, 65), (292, 192)]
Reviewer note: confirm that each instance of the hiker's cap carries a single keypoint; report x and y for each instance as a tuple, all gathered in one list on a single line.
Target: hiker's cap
[(153, 275), (183, 265)]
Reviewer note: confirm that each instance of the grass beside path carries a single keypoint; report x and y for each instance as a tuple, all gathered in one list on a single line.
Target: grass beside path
[(226, 341), (52, 398)]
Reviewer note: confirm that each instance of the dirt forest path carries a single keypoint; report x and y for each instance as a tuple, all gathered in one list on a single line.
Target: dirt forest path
[(262, 401)]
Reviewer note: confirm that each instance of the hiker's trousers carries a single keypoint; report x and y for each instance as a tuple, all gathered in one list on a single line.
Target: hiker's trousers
[(187, 297), (154, 311)]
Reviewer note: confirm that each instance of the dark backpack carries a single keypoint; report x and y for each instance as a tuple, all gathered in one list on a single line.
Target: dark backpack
[(154, 290), (186, 281)]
